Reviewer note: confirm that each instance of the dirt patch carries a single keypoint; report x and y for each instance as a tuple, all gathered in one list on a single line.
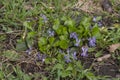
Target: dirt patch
[(88, 6), (97, 6), (107, 68)]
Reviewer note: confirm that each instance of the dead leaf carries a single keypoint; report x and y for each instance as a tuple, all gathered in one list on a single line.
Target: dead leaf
[(113, 47), (28, 7), (105, 57)]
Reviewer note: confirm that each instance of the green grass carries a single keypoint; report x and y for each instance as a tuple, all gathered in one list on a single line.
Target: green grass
[(28, 50)]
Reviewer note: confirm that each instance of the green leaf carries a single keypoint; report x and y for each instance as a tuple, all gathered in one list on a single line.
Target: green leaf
[(59, 30), (51, 40), (31, 34), (12, 55), (26, 77), (86, 33), (1, 75), (80, 29), (21, 46), (65, 74), (69, 23), (64, 44), (43, 48), (27, 25), (86, 22), (2, 38), (98, 54), (56, 43), (47, 60), (91, 49), (63, 37), (42, 41), (95, 31), (90, 76), (79, 65), (72, 29), (64, 18), (69, 68), (58, 66), (56, 24), (64, 30), (30, 42), (98, 18)]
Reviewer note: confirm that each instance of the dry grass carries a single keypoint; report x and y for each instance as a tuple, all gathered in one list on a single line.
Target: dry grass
[(89, 6), (93, 6)]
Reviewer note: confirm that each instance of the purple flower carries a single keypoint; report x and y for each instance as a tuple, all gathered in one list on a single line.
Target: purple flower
[(94, 19), (77, 42), (44, 17), (68, 50), (92, 42), (43, 58), (100, 24), (74, 55), (67, 58), (28, 51), (40, 57), (73, 35), (50, 32), (84, 51), (61, 51)]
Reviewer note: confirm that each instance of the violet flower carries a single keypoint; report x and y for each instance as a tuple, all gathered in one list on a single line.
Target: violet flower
[(68, 50), (67, 58), (51, 33), (94, 19), (100, 24), (74, 55), (61, 51), (45, 19), (28, 51), (77, 42), (92, 42), (84, 51), (40, 57), (73, 35)]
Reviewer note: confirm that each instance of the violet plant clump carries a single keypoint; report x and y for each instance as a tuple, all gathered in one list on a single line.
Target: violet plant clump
[(67, 45)]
